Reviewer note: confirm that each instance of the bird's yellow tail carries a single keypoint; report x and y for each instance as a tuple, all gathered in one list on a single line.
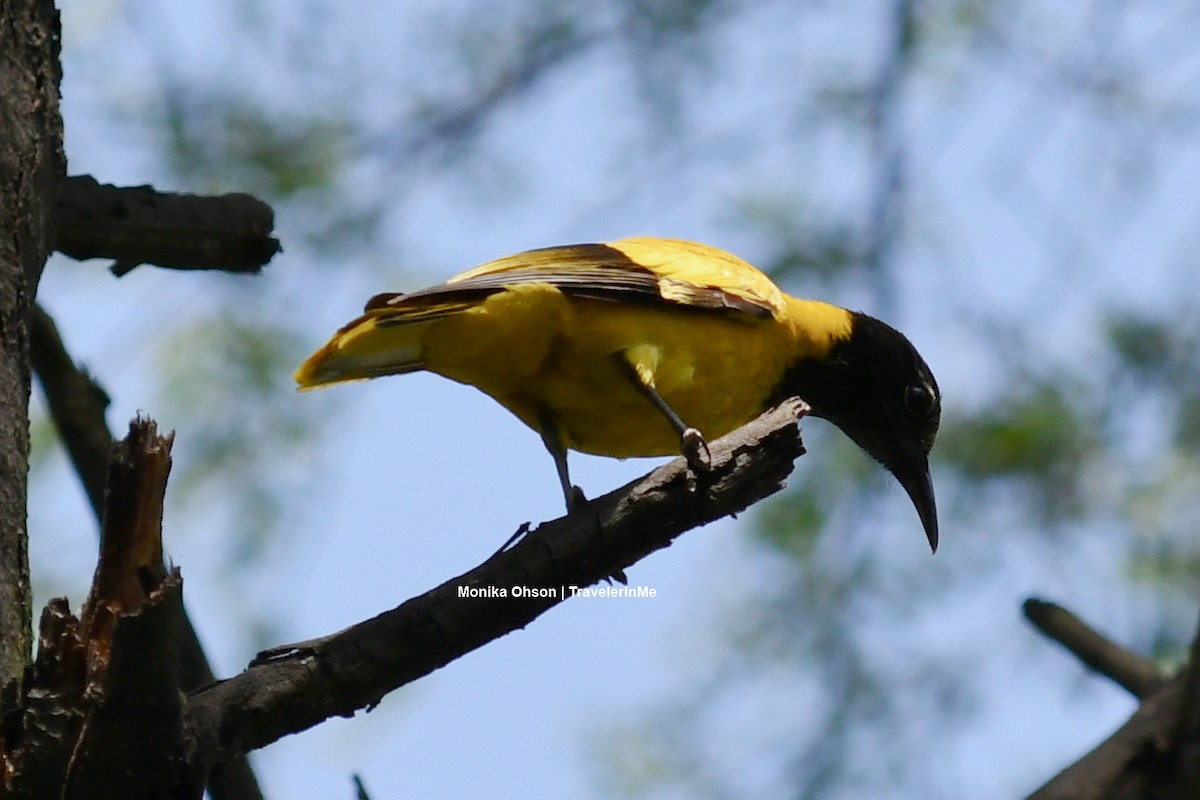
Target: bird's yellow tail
[(366, 349)]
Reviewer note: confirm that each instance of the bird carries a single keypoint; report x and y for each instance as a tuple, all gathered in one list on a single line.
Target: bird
[(646, 347)]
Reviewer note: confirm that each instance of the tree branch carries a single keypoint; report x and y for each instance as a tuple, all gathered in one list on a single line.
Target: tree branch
[(77, 406), (1187, 726), (1136, 675), (1155, 755), (103, 708), (293, 688), (139, 225), (129, 627), (1119, 766)]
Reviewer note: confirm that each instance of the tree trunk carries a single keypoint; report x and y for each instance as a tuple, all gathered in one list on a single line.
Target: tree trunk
[(32, 167)]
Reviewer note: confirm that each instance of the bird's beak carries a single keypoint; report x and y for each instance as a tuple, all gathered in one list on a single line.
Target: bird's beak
[(913, 474)]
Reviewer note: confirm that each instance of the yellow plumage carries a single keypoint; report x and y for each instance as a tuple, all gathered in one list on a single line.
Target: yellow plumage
[(645, 347), (710, 333)]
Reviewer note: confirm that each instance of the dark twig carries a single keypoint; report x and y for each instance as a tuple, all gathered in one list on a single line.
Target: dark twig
[(138, 225), (129, 628), (1187, 729), (77, 405), (1117, 768), (103, 709), (1137, 675), (1156, 754), (292, 688)]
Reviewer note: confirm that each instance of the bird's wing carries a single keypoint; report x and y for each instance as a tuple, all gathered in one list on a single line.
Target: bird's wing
[(656, 271)]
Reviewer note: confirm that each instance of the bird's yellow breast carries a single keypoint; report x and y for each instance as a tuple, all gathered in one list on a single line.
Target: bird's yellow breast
[(539, 352)]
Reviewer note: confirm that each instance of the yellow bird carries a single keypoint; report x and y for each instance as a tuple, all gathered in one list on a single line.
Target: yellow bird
[(643, 347)]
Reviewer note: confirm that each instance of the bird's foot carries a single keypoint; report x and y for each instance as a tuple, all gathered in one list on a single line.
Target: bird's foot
[(576, 501), (618, 576), (699, 459), (695, 450)]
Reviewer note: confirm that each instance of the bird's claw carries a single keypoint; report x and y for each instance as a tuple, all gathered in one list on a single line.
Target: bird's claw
[(695, 450), (698, 456), (576, 501)]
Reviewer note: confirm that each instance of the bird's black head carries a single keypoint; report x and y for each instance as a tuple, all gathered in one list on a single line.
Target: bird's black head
[(879, 391)]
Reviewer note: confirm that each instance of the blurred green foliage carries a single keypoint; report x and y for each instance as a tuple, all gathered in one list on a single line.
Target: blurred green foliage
[(230, 143), (1038, 437), (242, 437)]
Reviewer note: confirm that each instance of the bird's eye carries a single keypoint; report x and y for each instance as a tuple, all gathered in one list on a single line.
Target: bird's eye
[(918, 399)]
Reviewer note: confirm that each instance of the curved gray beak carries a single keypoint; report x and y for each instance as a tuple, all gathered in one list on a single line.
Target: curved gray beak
[(913, 474)]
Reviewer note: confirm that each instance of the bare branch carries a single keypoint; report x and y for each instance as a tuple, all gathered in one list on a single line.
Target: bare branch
[(1121, 764), (131, 555), (103, 707), (77, 406), (293, 688), (1137, 675), (1187, 727), (1156, 754), (139, 225)]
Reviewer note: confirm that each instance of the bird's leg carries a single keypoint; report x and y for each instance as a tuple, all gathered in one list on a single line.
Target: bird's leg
[(550, 437), (574, 496), (691, 441)]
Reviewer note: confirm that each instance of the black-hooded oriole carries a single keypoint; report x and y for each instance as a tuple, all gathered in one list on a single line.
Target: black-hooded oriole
[(644, 346)]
